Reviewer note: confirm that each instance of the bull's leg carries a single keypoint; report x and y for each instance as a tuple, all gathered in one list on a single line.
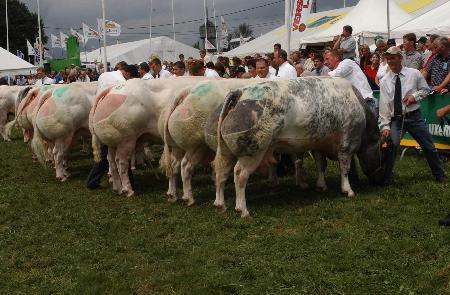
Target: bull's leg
[(3, 119), (59, 152), (123, 156), (113, 171), (321, 165), (190, 160), (299, 172), (133, 161), (174, 161), (244, 167), (223, 166), (345, 159)]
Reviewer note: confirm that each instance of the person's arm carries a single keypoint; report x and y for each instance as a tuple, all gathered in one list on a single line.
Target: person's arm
[(337, 44), (442, 88), (343, 69), (422, 88), (385, 112), (442, 112)]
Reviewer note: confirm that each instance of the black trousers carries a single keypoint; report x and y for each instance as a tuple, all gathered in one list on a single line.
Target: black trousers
[(100, 169)]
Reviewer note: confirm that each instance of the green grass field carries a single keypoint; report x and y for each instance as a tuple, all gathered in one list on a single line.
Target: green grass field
[(61, 238)]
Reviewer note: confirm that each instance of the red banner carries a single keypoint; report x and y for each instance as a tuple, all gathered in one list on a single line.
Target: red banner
[(301, 5)]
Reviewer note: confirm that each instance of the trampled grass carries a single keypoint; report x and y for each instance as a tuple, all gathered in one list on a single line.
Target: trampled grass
[(61, 238)]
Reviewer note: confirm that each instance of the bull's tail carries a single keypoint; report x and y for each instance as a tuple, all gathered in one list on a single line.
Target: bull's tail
[(38, 144), (230, 101), (96, 144), (167, 161)]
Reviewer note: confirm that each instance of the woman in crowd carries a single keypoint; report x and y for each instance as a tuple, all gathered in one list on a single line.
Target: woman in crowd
[(371, 70), (365, 57)]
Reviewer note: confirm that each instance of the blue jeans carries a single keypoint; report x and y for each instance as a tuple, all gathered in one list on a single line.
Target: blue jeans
[(418, 129)]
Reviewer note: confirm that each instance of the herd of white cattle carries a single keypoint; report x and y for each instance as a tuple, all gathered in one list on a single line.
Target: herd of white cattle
[(233, 123)]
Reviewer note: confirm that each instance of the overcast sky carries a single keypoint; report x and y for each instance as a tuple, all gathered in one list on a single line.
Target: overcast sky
[(60, 15)]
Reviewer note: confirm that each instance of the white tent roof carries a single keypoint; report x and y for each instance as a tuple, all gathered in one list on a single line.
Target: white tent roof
[(9, 63), (368, 18), (139, 51), (436, 21), (316, 22)]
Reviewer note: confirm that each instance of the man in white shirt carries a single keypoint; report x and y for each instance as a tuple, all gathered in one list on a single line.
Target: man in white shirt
[(144, 71), (351, 71), (262, 69), (285, 70), (158, 71), (42, 79), (210, 72), (401, 90)]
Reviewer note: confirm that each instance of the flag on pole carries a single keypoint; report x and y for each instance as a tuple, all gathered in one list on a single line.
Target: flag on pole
[(56, 43), (301, 13), (224, 33), (63, 39), (112, 28), (89, 33), (241, 40), (208, 45), (79, 36), (30, 49)]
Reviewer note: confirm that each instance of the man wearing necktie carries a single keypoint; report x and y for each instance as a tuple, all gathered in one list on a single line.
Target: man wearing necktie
[(400, 93)]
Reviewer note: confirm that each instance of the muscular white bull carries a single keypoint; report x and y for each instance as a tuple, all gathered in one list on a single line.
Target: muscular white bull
[(8, 104), (61, 115), (184, 134), (26, 102), (128, 114), (326, 115)]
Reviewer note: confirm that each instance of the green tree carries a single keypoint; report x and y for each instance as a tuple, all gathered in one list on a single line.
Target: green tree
[(23, 26), (243, 29)]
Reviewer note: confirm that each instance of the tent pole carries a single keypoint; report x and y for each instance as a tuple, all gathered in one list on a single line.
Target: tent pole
[(388, 21), (287, 11), (7, 33), (105, 61), (215, 24), (40, 34), (151, 12)]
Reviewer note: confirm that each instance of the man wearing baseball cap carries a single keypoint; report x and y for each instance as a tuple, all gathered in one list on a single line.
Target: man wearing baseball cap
[(401, 90)]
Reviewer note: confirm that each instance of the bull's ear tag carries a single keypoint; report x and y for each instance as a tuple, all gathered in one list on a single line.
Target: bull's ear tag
[(257, 92)]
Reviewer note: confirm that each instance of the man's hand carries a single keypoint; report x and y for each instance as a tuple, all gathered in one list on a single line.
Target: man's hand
[(409, 100), (385, 133), (441, 113), (440, 90)]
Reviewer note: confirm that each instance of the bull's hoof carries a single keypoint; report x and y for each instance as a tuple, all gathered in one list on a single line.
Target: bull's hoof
[(190, 202), (171, 198), (127, 193), (245, 214), (133, 168), (350, 194), (219, 204), (64, 178), (116, 190)]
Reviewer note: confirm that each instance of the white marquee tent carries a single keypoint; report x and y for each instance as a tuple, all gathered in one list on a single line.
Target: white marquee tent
[(368, 19), (316, 22), (9, 63), (436, 21), (139, 51)]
